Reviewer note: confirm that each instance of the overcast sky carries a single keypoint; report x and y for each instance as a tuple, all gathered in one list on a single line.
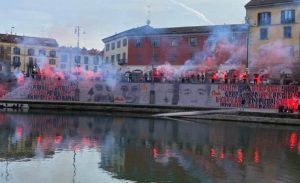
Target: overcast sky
[(102, 18)]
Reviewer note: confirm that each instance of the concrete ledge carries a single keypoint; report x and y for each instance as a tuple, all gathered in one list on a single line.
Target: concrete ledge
[(246, 119), (107, 107)]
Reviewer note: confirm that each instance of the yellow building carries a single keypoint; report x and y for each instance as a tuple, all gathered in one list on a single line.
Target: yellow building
[(273, 23), (25, 53)]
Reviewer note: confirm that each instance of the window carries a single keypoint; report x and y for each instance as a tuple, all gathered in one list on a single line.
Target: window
[(155, 43), (193, 41), (119, 44), (30, 63), (63, 66), (17, 51), (173, 57), (52, 53), (1, 68), (291, 50), (233, 38), (263, 33), (124, 56), (42, 52), (95, 68), (174, 42), (124, 42), (86, 60), (113, 46), (112, 59), (154, 57), (52, 61), (106, 60), (77, 59), (193, 55), (264, 18), (30, 52), (64, 58), (118, 57), (138, 43), (96, 60), (287, 32), (107, 47), (287, 16), (16, 62), (40, 61), (86, 67)]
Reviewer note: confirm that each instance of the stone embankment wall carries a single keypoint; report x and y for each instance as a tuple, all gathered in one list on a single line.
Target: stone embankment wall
[(179, 94)]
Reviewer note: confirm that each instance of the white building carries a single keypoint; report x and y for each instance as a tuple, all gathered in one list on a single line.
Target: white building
[(88, 60)]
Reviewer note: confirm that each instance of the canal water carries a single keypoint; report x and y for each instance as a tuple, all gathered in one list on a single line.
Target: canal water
[(52, 147)]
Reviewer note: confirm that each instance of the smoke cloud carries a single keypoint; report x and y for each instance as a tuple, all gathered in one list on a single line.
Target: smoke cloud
[(273, 59), (224, 50)]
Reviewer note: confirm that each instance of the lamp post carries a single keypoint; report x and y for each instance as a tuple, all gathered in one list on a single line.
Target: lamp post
[(152, 91), (247, 52), (11, 30)]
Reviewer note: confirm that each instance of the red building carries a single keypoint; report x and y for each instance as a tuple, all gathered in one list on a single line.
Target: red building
[(146, 47)]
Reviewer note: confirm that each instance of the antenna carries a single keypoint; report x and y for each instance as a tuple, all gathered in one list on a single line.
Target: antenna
[(148, 15), (77, 32)]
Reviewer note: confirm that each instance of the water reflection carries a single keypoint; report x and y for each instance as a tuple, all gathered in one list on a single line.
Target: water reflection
[(88, 148)]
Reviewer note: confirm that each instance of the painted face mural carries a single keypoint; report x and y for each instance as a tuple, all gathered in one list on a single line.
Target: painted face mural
[(194, 95), (130, 93), (100, 93)]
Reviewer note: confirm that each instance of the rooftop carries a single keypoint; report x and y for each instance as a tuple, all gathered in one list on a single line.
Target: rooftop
[(255, 3), (85, 51), (148, 30), (38, 41)]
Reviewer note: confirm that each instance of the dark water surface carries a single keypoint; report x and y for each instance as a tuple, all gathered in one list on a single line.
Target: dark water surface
[(40, 147)]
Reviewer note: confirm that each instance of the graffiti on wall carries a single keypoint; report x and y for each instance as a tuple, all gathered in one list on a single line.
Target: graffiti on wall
[(62, 90), (256, 96), (100, 92), (127, 93)]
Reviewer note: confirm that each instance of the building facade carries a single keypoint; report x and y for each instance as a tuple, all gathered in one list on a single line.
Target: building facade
[(25, 53), (88, 60), (145, 48), (273, 22)]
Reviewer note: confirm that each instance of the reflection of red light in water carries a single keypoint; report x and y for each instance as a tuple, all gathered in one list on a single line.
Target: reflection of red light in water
[(212, 153), (155, 153), (58, 139), (85, 141), (293, 140), (256, 155), (38, 139), (2, 118), (19, 132), (222, 154), (240, 156)]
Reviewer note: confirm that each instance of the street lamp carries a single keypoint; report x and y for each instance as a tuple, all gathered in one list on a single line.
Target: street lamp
[(11, 30), (247, 42)]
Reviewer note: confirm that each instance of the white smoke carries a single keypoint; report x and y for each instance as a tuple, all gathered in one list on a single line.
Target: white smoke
[(197, 13)]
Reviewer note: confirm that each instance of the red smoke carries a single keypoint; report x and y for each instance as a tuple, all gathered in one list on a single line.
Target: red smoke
[(272, 59)]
